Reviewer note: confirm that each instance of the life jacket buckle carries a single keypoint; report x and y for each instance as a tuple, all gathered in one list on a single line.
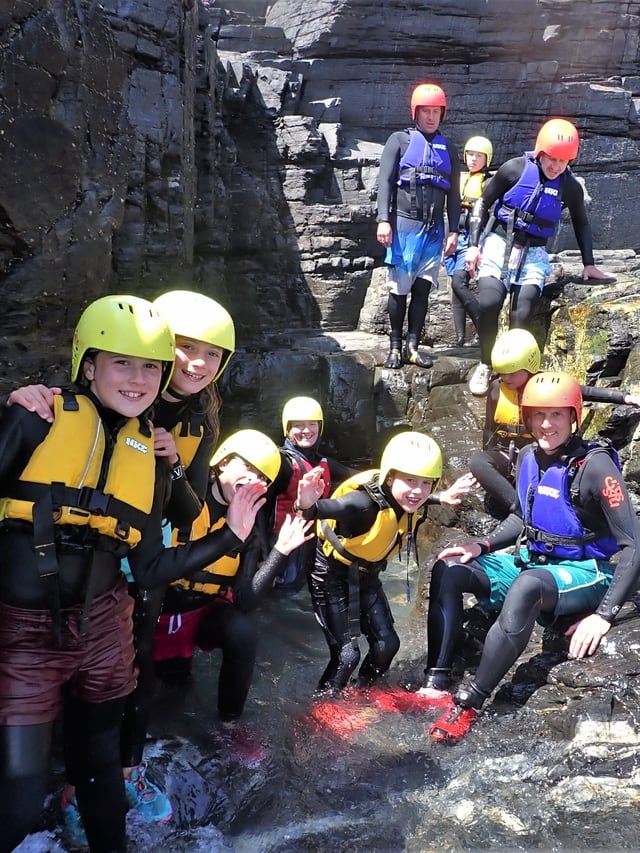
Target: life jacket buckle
[(122, 530)]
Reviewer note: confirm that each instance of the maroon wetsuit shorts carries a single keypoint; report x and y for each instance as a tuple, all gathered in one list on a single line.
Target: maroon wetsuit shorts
[(98, 667)]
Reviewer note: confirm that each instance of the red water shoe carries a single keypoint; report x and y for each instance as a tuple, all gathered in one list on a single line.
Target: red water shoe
[(453, 725)]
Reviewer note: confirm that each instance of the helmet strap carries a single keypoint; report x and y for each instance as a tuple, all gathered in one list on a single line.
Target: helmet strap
[(176, 395)]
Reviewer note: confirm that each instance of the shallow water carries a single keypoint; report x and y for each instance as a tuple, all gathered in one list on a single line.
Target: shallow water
[(360, 775)]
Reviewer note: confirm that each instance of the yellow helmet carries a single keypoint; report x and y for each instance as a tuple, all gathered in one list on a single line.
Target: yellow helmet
[(196, 316), (480, 144), (124, 324), (515, 350), (301, 409), (255, 448), (412, 453)]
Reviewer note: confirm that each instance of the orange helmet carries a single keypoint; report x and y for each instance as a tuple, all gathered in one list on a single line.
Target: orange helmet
[(428, 95), (546, 390), (558, 138)]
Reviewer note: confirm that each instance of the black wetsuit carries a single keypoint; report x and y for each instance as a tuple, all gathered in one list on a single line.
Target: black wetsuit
[(524, 299), (394, 202), (332, 594), (534, 592), (231, 627), (92, 754), (185, 501)]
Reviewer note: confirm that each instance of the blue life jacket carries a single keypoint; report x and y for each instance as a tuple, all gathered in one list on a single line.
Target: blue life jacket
[(531, 205), (551, 524), (425, 162)]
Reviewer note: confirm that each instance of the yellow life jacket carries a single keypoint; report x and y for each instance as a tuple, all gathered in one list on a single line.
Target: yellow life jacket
[(187, 434), (225, 567), (471, 184), (507, 415), (72, 478), (375, 544)]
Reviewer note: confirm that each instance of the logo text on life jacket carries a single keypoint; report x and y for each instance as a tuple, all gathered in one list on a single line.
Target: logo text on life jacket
[(551, 190), (549, 492), (137, 445)]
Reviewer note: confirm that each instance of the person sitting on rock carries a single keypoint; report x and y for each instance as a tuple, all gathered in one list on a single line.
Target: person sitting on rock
[(369, 517), (418, 179), (477, 155), (572, 515), (520, 208), (515, 358)]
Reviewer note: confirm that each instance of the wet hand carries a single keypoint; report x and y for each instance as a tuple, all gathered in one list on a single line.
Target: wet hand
[(295, 531), (164, 445), (310, 488), (462, 486), (35, 398), (592, 271), (451, 244), (464, 553), (384, 234), (472, 260), (245, 504), (586, 635)]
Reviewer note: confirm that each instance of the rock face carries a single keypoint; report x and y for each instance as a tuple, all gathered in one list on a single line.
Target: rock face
[(153, 144)]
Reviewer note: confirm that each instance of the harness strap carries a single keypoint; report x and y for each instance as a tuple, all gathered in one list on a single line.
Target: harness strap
[(534, 534), (353, 576), (86, 498)]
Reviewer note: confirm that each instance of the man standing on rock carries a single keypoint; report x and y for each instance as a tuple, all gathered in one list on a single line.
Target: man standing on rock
[(419, 176), (519, 211)]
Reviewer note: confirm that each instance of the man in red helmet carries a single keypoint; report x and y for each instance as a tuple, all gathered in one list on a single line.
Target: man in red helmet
[(419, 179), (573, 515), (521, 208)]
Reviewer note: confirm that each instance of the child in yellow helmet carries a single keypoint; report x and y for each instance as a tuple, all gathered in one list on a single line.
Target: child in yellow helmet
[(367, 520), (74, 504), (477, 156)]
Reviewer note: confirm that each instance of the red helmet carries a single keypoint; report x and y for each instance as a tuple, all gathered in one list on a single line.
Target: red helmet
[(558, 138), (428, 95), (546, 390)]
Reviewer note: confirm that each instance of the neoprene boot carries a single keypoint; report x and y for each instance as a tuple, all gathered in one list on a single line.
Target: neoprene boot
[(394, 359), (412, 355)]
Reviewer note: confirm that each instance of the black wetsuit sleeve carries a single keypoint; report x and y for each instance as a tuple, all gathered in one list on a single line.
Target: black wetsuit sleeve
[(489, 437), (453, 195), (189, 491), (254, 581), (355, 512), (602, 492), (573, 199), (154, 565), (602, 395), (388, 173), (20, 433)]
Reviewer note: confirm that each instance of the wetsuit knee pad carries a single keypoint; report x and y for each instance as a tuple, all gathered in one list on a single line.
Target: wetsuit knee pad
[(532, 591), (349, 656)]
